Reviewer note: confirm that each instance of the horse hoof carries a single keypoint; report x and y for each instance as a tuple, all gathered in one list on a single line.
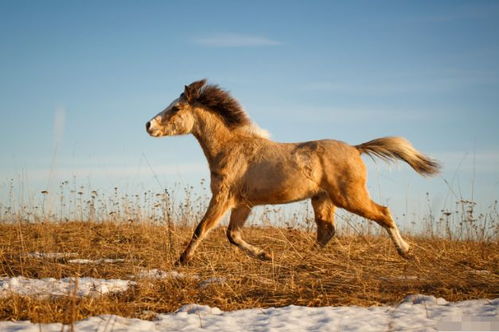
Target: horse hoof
[(181, 261), (321, 244), (409, 255), (264, 256)]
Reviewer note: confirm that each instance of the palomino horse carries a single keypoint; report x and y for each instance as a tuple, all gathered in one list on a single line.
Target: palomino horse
[(248, 169)]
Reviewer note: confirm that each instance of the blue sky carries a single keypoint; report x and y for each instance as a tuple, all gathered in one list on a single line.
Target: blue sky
[(80, 78)]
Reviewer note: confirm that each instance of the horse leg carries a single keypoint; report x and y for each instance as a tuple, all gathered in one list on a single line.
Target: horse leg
[(356, 199), (324, 218), (216, 209), (381, 214), (238, 217)]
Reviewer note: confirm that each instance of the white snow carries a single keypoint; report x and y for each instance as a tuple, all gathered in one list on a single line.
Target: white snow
[(415, 313), (61, 287), (96, 261), (51, 255), (57, 255), (88, 286), (160, 274)]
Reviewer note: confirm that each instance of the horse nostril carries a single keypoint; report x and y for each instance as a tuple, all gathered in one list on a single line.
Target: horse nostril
[(148, 125)]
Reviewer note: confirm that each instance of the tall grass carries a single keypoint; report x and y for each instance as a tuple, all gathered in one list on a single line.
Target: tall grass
[(185, 206)]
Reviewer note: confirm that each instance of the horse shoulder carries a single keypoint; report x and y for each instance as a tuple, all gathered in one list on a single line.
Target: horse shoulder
[(232, 162)]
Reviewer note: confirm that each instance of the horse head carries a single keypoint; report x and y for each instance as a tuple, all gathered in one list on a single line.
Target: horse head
[(177, 118)]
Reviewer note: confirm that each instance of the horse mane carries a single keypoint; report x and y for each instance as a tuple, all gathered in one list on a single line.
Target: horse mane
[(220, 102)]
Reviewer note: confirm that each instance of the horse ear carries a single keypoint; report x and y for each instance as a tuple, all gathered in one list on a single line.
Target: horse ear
[(192, 91), (198, 84), (187, 93)]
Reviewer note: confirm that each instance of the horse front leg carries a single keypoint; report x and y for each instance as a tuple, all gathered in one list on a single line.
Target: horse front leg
[(216, 209), (238, 217)]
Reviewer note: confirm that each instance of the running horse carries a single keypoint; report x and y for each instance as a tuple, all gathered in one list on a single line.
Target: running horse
[(248, 169)]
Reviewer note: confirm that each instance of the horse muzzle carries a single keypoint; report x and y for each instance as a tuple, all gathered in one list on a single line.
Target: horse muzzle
[(152, 129)]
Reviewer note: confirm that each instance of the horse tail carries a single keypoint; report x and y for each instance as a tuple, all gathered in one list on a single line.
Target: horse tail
[(391, 148)]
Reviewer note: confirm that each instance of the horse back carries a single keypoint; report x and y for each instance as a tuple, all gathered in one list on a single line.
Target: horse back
[(278, 173)]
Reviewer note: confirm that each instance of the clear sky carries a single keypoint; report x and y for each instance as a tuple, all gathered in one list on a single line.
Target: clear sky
[(79, 79)]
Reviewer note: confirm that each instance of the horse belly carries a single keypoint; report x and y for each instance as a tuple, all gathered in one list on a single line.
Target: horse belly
[(272, 188)]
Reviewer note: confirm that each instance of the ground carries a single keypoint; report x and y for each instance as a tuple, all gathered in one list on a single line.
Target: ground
[(362, 270)]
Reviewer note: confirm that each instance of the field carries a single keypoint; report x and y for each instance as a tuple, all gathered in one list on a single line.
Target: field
[(359, 270), (138, 238)]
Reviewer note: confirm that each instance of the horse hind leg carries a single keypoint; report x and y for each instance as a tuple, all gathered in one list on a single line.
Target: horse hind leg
[(238, 217), (384, 218), (356, 200), (381, 215), (324, 218)]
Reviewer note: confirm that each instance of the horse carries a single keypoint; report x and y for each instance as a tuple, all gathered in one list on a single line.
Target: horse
[(249, 169)]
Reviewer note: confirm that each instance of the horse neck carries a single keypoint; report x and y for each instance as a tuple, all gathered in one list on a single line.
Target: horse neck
[(212, 135)]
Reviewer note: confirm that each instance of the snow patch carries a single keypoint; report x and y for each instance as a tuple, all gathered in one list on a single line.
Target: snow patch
[(160, 274), (96, 261), (415, 313), (51, 255), (61, 287), (59, 255)]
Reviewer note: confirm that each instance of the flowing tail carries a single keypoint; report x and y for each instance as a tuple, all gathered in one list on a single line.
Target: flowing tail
[(391, 148)]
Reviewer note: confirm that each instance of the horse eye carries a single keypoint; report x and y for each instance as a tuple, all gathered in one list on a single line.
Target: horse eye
[(174, 109)]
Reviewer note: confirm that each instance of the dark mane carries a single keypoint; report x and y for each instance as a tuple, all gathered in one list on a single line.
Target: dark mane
[(222, 103)]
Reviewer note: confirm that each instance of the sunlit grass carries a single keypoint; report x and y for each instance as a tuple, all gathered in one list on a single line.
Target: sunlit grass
[(456, 256)]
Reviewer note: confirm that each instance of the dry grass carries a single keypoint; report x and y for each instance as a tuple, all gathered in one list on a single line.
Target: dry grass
[(353, 270)]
